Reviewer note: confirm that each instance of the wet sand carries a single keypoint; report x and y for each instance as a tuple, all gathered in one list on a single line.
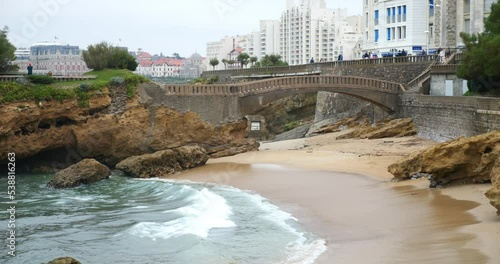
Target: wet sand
[(341, 191)]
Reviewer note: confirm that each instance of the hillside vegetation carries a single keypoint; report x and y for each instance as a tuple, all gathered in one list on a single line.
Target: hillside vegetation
[(24, 90)]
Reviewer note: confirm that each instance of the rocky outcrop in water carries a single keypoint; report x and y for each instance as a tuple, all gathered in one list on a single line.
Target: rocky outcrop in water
[(65, 260), (84, 172), (494, 193), (464, 160), (164, 162), (55, 135)]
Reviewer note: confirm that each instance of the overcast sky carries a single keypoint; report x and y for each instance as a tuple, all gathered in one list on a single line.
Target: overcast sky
[(156, 26)]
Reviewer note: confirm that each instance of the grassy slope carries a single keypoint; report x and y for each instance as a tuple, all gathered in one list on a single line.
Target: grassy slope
[(14, 92)]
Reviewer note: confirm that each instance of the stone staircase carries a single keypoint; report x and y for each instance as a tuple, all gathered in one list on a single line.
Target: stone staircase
[(421, 82)]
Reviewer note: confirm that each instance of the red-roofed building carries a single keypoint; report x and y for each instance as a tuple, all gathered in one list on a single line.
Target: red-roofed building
[(167, 67), (144, 68)]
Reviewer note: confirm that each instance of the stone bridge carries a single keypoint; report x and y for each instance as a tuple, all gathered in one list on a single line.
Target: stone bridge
[(216, 103)]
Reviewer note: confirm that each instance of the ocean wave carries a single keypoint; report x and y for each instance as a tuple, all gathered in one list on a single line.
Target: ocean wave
[(303, 250), (206, 211)]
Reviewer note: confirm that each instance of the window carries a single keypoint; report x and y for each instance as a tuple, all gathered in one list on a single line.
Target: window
[(403, 33), (388, 33), (466, 6), (467, 26), (404, 13), (394, 15), (376, 17), (399, 13), (399, 33), (388, 15), (376, 35), (393, 33)]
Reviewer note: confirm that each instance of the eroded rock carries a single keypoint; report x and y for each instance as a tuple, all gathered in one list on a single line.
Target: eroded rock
[(84, 172), (64, 260), (494, 193), (464, 160), (392, 128), (164, 162)]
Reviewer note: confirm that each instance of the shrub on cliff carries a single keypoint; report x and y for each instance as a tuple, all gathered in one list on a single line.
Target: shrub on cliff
[(40, 79), (105, 56), (12, 92)]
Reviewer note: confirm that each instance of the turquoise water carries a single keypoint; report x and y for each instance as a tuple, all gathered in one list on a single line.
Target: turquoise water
[(124, 220)]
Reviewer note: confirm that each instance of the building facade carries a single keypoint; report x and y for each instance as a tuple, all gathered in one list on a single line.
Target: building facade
[(311, 32), (418, 26), (454, 16), (62, 60), (395, 25)]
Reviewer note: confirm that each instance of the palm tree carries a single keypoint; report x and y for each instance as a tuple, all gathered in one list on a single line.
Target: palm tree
[(225, 63), (243, 59), (214, 62), (253, 60)]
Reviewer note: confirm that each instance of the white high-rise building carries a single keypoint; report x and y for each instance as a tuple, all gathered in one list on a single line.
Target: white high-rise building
[(310, 31), (396, 25), (269, 42), (421, 25)]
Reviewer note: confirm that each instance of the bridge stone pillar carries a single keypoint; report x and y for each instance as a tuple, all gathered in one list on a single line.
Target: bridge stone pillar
[(337, 106)]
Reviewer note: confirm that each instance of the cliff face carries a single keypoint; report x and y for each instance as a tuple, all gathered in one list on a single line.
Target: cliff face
[(464, 160), (38, 131)]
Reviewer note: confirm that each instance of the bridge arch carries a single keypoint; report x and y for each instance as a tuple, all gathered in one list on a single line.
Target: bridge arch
[(220, 102), (254, 95)]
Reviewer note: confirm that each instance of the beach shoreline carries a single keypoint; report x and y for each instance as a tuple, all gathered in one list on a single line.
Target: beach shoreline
[(340, 190)]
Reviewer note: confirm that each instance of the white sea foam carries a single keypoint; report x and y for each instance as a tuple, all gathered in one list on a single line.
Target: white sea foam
[(208, 210), (300, 251)]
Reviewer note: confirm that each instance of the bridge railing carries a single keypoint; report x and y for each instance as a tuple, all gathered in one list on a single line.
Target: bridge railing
[(444, 68), (268, 85), (315, 81), (304, 68), (199, 89)]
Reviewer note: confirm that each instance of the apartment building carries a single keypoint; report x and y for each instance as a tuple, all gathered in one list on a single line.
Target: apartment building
[(311, 31)]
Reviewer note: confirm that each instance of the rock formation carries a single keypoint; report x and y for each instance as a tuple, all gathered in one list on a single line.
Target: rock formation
[(494, 193), (464, 160), (361, 128), (84, 172), (391, 128), (32, 130), (164, 162), (65, 260)]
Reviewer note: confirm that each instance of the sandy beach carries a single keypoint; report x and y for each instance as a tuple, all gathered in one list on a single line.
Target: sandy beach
[(340, 190)]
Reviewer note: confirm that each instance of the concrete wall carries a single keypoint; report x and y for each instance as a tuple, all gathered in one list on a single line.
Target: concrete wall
[(443, 118), (438, 85), (211, 108)]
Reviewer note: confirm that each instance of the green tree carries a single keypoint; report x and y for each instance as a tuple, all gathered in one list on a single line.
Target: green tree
[(270, 61), (253, 60), (6, 52), (243, 58), (214, 62), (105, 56), (225, 63), (481, 59)]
